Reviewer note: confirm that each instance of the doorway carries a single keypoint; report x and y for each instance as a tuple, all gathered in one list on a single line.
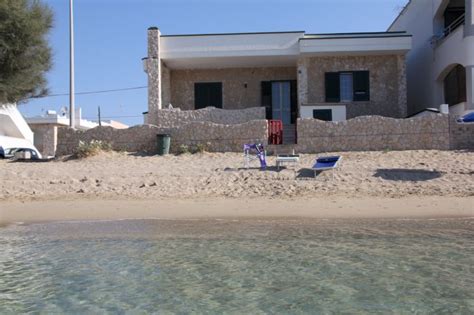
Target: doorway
[(281, 101)]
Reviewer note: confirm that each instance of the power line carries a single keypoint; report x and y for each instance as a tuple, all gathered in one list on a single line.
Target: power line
[(94, 92), (109, 117)]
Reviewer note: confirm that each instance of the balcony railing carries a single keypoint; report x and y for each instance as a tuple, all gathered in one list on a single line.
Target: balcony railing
[(436, 39)]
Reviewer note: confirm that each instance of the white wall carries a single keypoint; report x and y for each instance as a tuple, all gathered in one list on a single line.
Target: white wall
[(338, 111), (428, 64), (417, 20), (12, 123)]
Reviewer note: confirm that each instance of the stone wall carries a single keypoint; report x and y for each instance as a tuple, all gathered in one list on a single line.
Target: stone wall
[(173, 118), (241, 87), (461, 135), (368, 133), (45, 138), (216, 137), (387, 83)]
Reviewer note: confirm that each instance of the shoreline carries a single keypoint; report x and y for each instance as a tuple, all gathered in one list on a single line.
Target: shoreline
[(327, 208)]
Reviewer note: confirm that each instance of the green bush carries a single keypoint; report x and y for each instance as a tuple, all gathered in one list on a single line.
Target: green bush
[(94, 147), (202, 147), (183, 149)]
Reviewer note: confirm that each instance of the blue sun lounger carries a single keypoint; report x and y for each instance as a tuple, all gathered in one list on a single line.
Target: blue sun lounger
[(326, 163)]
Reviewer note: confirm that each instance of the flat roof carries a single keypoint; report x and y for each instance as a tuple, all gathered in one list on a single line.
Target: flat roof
[(227, 34), (355, 35)]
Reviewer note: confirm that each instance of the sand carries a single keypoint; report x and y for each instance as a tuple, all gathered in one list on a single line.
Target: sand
[(368, 184)]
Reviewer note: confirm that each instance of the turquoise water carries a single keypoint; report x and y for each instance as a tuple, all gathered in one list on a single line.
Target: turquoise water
[(239, 267)]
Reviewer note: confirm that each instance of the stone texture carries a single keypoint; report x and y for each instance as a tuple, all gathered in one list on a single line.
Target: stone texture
[(368, 133), (461, 136), (387, 83), (45, 138), (174, 118), (216, 137), (234, 93), (153, 69)]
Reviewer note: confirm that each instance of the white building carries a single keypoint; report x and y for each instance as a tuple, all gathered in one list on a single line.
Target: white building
[(14, 131), (440, 65)]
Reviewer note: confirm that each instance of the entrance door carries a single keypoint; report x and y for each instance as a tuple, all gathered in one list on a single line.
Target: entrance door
[(281, 101)]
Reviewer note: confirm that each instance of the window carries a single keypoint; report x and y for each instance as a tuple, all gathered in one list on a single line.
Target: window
[(207, 94), (347, 86), (322, 114)]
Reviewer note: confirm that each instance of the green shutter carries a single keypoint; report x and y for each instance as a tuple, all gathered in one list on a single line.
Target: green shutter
[(332, 87), (361, 86), (267, 98), (294, 100)]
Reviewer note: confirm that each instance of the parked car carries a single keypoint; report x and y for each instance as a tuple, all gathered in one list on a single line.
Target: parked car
[(34, 155), (6, 153), (10, 145), (467, 118)]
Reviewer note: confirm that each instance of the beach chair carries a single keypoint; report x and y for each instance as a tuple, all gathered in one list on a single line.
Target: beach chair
[(326, 163), (258, 150)]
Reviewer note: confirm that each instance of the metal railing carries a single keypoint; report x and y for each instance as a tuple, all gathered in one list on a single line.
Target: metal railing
[(436, 39)]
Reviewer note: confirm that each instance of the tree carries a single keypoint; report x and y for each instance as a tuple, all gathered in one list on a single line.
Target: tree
[(25, 55)]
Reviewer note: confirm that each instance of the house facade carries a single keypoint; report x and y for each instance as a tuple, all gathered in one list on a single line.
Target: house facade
[(440, 66), (291, 74)]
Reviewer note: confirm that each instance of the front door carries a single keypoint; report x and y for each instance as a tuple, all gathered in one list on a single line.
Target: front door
[(281, 101)]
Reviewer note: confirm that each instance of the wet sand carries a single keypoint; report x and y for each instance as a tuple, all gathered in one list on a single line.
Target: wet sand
[(413, 207)]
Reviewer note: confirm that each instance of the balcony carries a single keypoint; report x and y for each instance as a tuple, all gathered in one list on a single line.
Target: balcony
[(439, 38)]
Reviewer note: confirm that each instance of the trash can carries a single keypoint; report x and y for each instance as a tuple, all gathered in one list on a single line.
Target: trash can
[(163, 144)]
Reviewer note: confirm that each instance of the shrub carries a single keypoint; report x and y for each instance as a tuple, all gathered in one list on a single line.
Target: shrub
[(183, 149), (202, 147), (92, 148)]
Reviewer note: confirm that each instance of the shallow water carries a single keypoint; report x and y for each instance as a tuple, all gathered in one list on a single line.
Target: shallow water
[(239, 266)]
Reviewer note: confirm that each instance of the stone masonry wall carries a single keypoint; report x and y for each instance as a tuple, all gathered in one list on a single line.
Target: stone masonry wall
[(387, 83), (173, 118), (369, 133), (45, 138), (235, 95), (142, 138), (461, 135)]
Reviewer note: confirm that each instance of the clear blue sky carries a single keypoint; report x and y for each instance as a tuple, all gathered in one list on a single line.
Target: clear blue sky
[(111, 39)]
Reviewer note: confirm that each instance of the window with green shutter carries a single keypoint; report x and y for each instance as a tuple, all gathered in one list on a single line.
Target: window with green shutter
[(332, 87), (337, 88)]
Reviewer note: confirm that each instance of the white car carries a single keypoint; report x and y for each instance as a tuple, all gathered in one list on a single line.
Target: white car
[(10, 145)]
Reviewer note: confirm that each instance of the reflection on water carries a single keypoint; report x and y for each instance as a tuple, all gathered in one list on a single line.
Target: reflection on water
[(239, 266)]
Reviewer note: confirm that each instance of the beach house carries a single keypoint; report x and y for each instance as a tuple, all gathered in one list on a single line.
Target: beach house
[(292, 75), (440, 66)]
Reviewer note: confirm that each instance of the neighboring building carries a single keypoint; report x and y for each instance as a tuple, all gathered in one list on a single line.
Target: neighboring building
[(440, 66), (46, 133), (14, 131), (292, 74)]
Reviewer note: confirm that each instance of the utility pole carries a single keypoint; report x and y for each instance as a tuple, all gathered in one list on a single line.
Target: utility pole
[(100, 119), (72, 113)]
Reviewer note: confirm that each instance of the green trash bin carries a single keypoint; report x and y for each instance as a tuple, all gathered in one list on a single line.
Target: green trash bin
[(163, 144)]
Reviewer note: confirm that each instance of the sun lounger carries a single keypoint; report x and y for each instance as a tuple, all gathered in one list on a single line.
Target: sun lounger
[(289, 159), (326, 163)]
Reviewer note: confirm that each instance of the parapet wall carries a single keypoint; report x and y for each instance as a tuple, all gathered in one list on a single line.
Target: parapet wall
[(215, 137), (461, 136), (173, 118), (367, 133)]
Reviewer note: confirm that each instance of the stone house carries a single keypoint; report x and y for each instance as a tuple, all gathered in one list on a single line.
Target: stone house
[(293, 75)]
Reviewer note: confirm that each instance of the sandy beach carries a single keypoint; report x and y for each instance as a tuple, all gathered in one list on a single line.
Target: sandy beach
[(123, 185)]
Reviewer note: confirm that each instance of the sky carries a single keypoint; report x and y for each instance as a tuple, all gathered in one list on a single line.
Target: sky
[(110, 40)]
